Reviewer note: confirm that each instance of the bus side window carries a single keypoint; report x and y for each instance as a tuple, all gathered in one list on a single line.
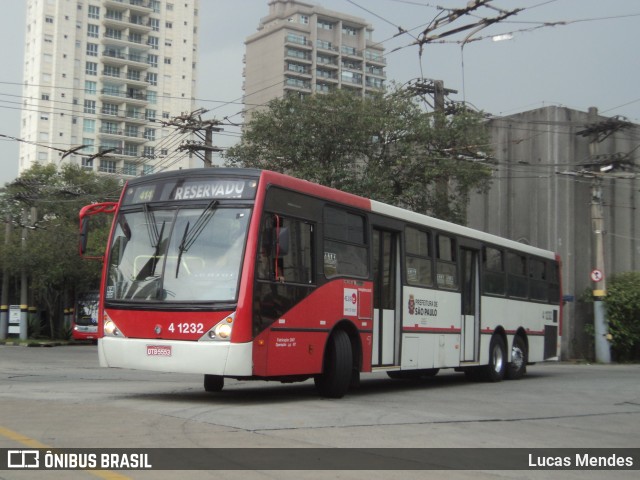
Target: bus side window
[(517, 269), (446, 266), (345, 245), (538, 288), (286, 250), (418, 257), (493, 271)]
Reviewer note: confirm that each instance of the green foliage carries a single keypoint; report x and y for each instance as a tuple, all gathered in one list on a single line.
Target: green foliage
[(383, 147), (42, 207), (623, 315)]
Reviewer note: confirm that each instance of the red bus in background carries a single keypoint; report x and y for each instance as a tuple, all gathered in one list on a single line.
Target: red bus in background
[(84, 322), (251, 274)]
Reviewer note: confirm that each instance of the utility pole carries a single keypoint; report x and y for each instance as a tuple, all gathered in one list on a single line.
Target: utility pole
[(603, 349), (436, 89), (4, 301), (24, 285), (193, 122), (596, 168)]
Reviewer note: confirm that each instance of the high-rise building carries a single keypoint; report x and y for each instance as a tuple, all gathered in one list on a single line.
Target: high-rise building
[(302, 48), (103, 74)]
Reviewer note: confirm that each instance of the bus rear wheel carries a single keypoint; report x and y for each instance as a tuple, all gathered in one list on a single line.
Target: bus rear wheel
[(518, 366), (338, 367), (497, 367), (213, 383)]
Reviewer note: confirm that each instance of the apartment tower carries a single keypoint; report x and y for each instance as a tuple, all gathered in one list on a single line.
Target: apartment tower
[(103, 74), (301, 48)]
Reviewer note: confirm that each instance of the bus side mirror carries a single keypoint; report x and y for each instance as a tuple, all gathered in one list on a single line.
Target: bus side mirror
[(91, 226)]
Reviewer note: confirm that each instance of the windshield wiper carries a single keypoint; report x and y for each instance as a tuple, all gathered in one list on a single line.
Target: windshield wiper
[(152, 228), (190, 236), (150, 267)]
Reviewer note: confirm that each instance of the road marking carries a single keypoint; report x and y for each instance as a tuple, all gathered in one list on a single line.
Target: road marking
[(32, 443)]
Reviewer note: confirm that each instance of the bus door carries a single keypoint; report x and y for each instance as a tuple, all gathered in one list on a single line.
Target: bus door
[(386, 300), (470, 308)]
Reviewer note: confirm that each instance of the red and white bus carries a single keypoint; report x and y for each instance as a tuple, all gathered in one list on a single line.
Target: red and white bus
[(84, 323), (251, 274)]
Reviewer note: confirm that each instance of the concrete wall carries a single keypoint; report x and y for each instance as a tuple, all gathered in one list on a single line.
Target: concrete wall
[(534, 199)]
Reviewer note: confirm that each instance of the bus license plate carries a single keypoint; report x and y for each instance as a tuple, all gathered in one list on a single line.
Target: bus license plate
[(158, 351)]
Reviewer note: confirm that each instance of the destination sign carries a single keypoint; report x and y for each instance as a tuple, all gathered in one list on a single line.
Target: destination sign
[(192, 189)]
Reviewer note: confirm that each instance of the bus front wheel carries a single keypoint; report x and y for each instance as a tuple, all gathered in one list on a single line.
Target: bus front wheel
[(338, 367), (213, 383)]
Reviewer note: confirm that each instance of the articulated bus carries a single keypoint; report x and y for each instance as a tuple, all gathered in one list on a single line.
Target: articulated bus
[(251, 274)]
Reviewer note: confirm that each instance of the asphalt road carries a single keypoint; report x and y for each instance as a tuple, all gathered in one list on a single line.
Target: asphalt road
[(60, 398)]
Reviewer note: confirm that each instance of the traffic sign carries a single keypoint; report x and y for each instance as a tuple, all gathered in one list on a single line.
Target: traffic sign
[(596, 275)]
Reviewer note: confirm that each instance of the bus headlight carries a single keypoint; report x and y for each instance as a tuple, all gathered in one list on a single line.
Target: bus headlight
[(222, 331), (110, 328)]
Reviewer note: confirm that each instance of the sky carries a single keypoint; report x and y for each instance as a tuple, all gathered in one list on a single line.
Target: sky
[(572, 53)]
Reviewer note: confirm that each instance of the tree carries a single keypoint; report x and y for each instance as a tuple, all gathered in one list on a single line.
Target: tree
[(622, 305), (384, 147), (43, 205)]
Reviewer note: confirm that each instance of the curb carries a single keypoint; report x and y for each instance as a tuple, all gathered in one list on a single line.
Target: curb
[(44, 343)]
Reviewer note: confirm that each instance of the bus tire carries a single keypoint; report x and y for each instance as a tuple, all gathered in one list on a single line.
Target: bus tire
[(213, 383), (518, 366), (338, 367), (495, 370)]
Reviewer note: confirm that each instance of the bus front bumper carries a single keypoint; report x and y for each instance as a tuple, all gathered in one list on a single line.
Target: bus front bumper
[(214, 358)]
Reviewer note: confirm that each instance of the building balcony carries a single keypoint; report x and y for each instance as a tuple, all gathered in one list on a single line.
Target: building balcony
[(139, 60), (297, 84), (137, 23), (377, 72), (374, 58), (327, 47), (135, 116), (115, 20), (129, 134), (110, 114), (142, 6), (330, 76), (350, 52), (111, 133), (137, 98), (324, 88), (122, 39), (114, 56), (298, 41), (135, 136), (298, 55), (134, 79), (112, 96), (374, 84), (353, 66), (302, 71), (112, 76)]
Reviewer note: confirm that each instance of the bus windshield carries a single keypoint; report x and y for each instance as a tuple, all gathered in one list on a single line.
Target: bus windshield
[(87, 309), (185, 254)]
